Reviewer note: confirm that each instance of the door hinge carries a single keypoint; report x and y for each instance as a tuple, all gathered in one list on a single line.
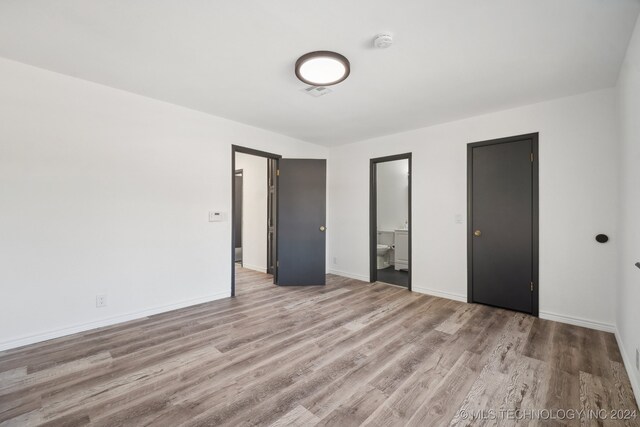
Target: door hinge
[(531, 286), (531, 157), (277, 172)]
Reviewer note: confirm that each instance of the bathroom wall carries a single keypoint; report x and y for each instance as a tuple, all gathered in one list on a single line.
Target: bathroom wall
[(254, 211), (393, 194)]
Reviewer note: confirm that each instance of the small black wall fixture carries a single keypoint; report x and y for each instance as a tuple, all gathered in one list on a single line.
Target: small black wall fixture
[(602, 238), (638, 264)]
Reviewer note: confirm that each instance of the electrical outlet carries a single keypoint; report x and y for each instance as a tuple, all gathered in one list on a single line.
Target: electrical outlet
[(335, 260), (101, 300), (637, 359)]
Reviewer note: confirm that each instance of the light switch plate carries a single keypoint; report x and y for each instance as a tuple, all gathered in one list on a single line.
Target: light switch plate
[(216, 216)]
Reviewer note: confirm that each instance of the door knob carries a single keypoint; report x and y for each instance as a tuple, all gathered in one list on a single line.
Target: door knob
[(477, 233), (322, 228)]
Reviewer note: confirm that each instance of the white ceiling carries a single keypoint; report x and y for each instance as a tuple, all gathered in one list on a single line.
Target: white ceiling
[(451, 58)]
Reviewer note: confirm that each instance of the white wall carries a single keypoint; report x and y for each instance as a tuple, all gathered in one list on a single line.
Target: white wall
[(254, 211), (392, 194), (103, 191), (628, 307), (578, 199)]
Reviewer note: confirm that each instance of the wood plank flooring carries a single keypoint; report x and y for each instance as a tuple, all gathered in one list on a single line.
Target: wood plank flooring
[(350, 353)]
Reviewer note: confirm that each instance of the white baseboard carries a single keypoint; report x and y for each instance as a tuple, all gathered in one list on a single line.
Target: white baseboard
[(577, 321), (349, 275), (255, 268), (440, 294), (83, 327), (630, 366)]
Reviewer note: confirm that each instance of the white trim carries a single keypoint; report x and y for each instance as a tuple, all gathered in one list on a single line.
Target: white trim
[(349, 275), (83, 327), (254, 268), (577, 321), (440, 294), (629, 366)]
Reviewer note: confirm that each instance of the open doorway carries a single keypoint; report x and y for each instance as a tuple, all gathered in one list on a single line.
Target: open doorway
[(238, 216), (254, 206), (390, 220), (291, 227)]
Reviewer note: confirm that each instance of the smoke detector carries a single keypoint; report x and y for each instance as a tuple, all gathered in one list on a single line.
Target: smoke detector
[(383, 40)]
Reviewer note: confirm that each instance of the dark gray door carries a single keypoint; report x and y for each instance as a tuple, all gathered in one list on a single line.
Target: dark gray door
[(502, 224), (301, 222)]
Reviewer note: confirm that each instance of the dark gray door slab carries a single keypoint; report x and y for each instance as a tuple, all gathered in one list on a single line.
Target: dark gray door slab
[(302, 189), (502, 224)]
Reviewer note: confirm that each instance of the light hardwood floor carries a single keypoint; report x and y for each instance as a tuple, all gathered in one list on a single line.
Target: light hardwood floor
[(349, 353)]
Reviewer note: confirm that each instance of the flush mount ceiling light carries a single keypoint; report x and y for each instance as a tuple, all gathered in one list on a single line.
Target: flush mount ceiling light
[(322, 68)]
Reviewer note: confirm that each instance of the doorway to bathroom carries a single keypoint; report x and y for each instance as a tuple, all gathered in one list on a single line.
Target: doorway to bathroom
[(390, 220)]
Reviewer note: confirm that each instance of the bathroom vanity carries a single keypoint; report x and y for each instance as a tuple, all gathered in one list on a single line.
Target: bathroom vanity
[(401, 252)]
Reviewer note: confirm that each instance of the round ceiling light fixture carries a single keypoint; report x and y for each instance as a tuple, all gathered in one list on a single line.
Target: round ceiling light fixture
[(322, 68)]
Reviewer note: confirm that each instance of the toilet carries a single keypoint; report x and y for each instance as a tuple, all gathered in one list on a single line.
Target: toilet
[(383, 258), (384, 249)]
